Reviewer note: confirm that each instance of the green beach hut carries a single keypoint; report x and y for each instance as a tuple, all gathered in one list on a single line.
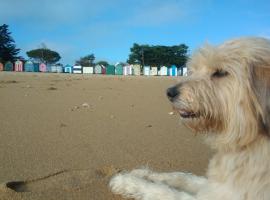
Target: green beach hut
[(110, 70), (119, 69)]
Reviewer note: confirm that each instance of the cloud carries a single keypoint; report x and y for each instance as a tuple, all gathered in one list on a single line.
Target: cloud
[(157, 13)]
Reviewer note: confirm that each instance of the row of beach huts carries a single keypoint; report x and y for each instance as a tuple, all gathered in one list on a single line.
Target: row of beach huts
[(118, 69)]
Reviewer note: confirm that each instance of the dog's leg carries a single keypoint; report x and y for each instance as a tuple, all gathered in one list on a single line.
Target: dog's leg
[(183, 181), (131, 186)]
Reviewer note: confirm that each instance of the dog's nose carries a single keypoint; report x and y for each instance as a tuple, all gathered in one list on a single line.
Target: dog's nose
[(172, 92)]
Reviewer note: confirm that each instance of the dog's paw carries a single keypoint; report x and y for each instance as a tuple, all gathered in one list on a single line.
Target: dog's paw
[(127, 185), (141, 172)]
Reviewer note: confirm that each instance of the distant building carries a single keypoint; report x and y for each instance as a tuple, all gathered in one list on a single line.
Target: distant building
[(136, 69), (127, 70), (68, 68), (42, 67), (88, 70), (98, 69), (29, 66), (154, 71), (110, 69), (77, 69), (163, 71), (18, 66), (146, 70), (172, 70), (118, 69), (8, 66)]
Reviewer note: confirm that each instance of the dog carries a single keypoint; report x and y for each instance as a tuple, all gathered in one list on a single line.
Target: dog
[(226, 97)]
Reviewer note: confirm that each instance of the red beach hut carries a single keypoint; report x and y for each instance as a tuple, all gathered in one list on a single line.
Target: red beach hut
[(1, 67)]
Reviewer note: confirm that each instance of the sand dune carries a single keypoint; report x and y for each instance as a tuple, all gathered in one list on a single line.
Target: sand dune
[(63, 136)]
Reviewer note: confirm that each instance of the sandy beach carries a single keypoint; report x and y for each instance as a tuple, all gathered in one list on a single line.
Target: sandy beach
[(64, 135)]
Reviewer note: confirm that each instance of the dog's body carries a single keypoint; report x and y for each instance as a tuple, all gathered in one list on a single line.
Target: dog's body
[(226, 96)]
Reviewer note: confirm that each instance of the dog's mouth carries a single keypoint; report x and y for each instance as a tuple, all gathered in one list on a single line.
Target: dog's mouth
[(187, 114)]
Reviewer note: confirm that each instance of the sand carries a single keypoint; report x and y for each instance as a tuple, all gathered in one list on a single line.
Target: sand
[(64, 135)]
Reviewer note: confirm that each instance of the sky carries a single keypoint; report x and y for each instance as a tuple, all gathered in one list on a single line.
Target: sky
[(108, 28)]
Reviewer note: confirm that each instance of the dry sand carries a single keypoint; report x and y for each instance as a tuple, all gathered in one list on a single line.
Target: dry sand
[(63, 136)]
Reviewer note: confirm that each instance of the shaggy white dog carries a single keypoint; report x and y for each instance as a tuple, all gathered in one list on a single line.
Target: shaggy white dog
[(227, 97)]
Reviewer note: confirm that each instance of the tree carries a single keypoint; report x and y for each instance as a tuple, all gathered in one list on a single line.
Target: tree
[(159, 55), (8, 50), (86, 61), (104, 63), (44, 55)]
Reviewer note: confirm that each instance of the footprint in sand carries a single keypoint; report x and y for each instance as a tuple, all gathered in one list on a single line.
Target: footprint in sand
[(62, 180)]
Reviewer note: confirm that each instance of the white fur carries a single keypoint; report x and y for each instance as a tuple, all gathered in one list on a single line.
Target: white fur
[(234, 112)]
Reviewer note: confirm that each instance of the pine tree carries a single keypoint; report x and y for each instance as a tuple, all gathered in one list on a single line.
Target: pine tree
[(8, 50)]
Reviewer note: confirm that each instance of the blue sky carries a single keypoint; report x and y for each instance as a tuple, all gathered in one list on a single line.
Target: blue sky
[(108, 28)]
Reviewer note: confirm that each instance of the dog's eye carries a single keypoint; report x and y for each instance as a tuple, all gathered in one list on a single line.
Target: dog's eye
[(220, 73)]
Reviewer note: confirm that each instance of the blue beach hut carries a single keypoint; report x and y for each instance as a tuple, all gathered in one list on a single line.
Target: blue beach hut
[(8, 66), (36, 67), (68, 68), (172, 70), (29, 66)]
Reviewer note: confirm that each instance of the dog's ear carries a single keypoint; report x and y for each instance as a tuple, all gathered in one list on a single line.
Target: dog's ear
[(261, 86)]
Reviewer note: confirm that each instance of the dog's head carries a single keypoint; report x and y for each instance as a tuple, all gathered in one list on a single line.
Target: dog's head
[(227, 91)]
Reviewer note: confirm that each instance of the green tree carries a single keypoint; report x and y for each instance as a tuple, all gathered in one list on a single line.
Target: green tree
[(159, 55), (104, 63), (8, 50), (86, 60), (44, 55)]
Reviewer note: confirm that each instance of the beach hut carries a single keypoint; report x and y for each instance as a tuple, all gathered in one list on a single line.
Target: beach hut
[(146, 70), (36, 67), (68, 68), (56, 68), (119, 69), (18, 66), (136, 70), (110, 70), (59, 69), (29, 66), (163, 71), (103, 70), (77, 69), (42, 67), (1, 67), (98, 69), (127, 70), (172, 71), (88, 70), (154, 71), (8, 66)]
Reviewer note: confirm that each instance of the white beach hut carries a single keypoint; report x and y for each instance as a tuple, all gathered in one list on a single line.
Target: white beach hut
[(163, 71), (98, 69), (88, 70), (154, 71), (77, 69), (146, 70), (127, 70), (136, 69)]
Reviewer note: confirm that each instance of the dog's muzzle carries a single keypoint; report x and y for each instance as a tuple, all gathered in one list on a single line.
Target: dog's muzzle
[(172, 93)]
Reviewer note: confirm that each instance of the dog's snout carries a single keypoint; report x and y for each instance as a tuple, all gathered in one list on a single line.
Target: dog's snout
[(172, 92)]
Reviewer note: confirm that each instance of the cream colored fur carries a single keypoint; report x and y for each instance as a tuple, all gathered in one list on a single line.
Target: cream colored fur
[(226, 97)]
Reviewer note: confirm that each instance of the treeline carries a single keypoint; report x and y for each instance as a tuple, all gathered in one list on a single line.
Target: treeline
[(139, 54), (158, 55)]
